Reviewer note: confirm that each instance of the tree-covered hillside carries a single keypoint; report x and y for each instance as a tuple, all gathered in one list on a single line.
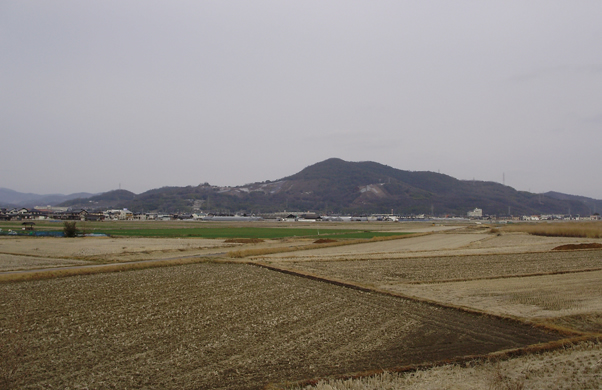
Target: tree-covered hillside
[(338, 186)]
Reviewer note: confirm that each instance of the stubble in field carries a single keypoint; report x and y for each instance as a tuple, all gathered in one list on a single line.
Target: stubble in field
[(576, 367), (448, 268), (535, 297), (228, 326)]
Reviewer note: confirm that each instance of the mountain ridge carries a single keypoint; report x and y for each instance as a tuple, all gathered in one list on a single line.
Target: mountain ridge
[(11, 198), (338, 186)]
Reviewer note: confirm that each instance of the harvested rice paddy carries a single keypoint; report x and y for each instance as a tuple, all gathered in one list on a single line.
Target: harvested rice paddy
[(225, 326)]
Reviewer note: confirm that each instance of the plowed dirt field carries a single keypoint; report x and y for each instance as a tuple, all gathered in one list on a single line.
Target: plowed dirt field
[(228, 326)]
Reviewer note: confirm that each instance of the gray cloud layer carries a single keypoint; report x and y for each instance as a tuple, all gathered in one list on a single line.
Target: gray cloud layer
[(147, 94)]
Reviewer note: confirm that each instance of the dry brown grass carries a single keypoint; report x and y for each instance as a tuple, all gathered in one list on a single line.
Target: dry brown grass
[(439, 269), (96, 269), (425, 245), (588, 322), (584, 229), (109, 249), (324, 241), (534, 297), (284, 249), (572, 366), (10, 263), (243, 241)]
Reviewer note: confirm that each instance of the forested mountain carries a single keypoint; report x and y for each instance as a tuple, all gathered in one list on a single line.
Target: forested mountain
[(105, 200), (338, 186), (594, 205)]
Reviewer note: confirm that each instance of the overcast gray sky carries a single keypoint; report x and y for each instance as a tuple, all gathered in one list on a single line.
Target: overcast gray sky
[(174, 93)]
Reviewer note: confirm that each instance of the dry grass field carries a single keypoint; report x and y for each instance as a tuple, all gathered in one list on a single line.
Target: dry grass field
[(536, 286), (514, 275), (445, 268), (575, 367), (331, 312), (224, 326), (415, 244), (105, 248), (585, 229), (19, 262), (452, 243), (534, 297), (26, 253)]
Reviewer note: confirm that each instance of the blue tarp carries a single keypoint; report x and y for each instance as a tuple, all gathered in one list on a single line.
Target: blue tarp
[(32, 233), (49, 234)]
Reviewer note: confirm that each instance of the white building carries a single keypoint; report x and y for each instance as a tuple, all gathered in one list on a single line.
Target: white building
[(120, 215), (476, 213)]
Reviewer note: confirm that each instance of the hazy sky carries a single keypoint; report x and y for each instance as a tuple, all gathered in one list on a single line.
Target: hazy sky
[(174, 93)]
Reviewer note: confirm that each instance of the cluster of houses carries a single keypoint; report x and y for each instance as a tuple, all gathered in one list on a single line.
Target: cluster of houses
[(61, 213), (560, 217), (65, 214), (478, 214)]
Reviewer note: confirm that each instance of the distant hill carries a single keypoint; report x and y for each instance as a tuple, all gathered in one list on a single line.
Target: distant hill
[(105, 200), (373, 187), (10, 198), (339, 186), (593, 205)]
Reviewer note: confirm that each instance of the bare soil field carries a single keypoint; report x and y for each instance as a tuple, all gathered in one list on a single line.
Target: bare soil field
[(445, 268), (228, 326)]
